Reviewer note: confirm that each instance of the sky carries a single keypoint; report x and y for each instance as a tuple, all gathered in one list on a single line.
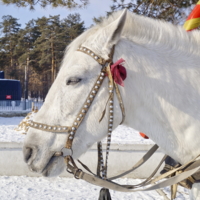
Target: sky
[(96, 8)]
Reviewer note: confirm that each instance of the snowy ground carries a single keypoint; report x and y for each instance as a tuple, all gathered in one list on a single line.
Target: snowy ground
[(33, 188), (7, 126), (25, 188)]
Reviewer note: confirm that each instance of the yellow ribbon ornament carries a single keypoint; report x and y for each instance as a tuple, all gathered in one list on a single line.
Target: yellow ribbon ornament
[(193, 20)]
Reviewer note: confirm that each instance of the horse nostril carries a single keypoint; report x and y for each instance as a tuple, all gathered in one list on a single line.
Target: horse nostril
[(27, 153)]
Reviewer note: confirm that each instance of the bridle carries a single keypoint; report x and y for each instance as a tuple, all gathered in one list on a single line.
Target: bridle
[(100, 178), (105, 71), (84, 109)]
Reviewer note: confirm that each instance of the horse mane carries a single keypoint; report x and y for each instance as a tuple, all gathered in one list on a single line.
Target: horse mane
[(147, 31)]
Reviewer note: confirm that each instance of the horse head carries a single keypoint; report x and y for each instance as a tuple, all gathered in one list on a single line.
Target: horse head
[(66, 97)]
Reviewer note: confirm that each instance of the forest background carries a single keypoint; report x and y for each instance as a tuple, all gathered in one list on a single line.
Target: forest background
[(33, 54)]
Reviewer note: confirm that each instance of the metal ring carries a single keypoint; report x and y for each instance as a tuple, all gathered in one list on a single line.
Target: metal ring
[(63, 153)]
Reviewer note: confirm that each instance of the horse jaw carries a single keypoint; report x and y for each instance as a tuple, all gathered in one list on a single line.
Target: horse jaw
[(55, 167)]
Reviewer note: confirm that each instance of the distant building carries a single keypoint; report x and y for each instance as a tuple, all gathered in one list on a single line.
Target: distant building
[(9, 89)]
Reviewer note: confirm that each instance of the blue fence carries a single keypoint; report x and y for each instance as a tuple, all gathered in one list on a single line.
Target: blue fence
[(9, 105)]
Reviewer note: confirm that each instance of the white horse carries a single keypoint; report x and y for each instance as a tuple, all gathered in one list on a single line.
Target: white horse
[(161, 93)]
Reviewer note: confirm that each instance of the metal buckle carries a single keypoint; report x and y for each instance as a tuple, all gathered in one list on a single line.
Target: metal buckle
[(77, 172)]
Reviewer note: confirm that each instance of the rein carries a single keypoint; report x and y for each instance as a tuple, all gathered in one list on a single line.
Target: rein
[(101, 179)]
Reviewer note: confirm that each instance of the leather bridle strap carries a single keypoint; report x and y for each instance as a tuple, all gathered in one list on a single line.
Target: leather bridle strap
[(194, 166), (138, 164)]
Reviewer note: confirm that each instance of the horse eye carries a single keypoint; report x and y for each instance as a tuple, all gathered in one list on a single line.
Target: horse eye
[(73, 81)]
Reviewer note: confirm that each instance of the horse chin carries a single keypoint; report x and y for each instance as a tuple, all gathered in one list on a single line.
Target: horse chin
[(55, 167)]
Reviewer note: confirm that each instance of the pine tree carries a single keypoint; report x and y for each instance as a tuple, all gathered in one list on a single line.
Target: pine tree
[(73, 26), (47, 45), (24, 50), (55, 36), (43, 3), (9, 28), (37, 50), (169, 10)]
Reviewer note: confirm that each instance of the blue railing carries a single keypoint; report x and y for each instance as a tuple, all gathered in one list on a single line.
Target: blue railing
[(17, 105)]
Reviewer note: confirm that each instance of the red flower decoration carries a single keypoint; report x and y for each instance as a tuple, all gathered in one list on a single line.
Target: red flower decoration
[(118, 72)]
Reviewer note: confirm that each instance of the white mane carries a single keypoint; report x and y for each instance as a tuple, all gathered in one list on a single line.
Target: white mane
[(146, 31)]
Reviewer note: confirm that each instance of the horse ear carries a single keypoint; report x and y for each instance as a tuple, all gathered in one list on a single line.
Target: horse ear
[(113, 30)]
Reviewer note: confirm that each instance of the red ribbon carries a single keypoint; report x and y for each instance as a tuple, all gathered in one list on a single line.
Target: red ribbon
[(118, 72), (144, 136)]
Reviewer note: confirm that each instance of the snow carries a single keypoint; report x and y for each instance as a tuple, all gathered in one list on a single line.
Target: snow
[(34, 188), (7, 132)]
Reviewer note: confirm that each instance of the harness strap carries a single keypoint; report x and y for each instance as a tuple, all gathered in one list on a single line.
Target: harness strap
[(181, 173), (87, 168), (99, 153), (151, 176), (79, 174), (174, 190), (139, 163), (193, 164), (121, 104)]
